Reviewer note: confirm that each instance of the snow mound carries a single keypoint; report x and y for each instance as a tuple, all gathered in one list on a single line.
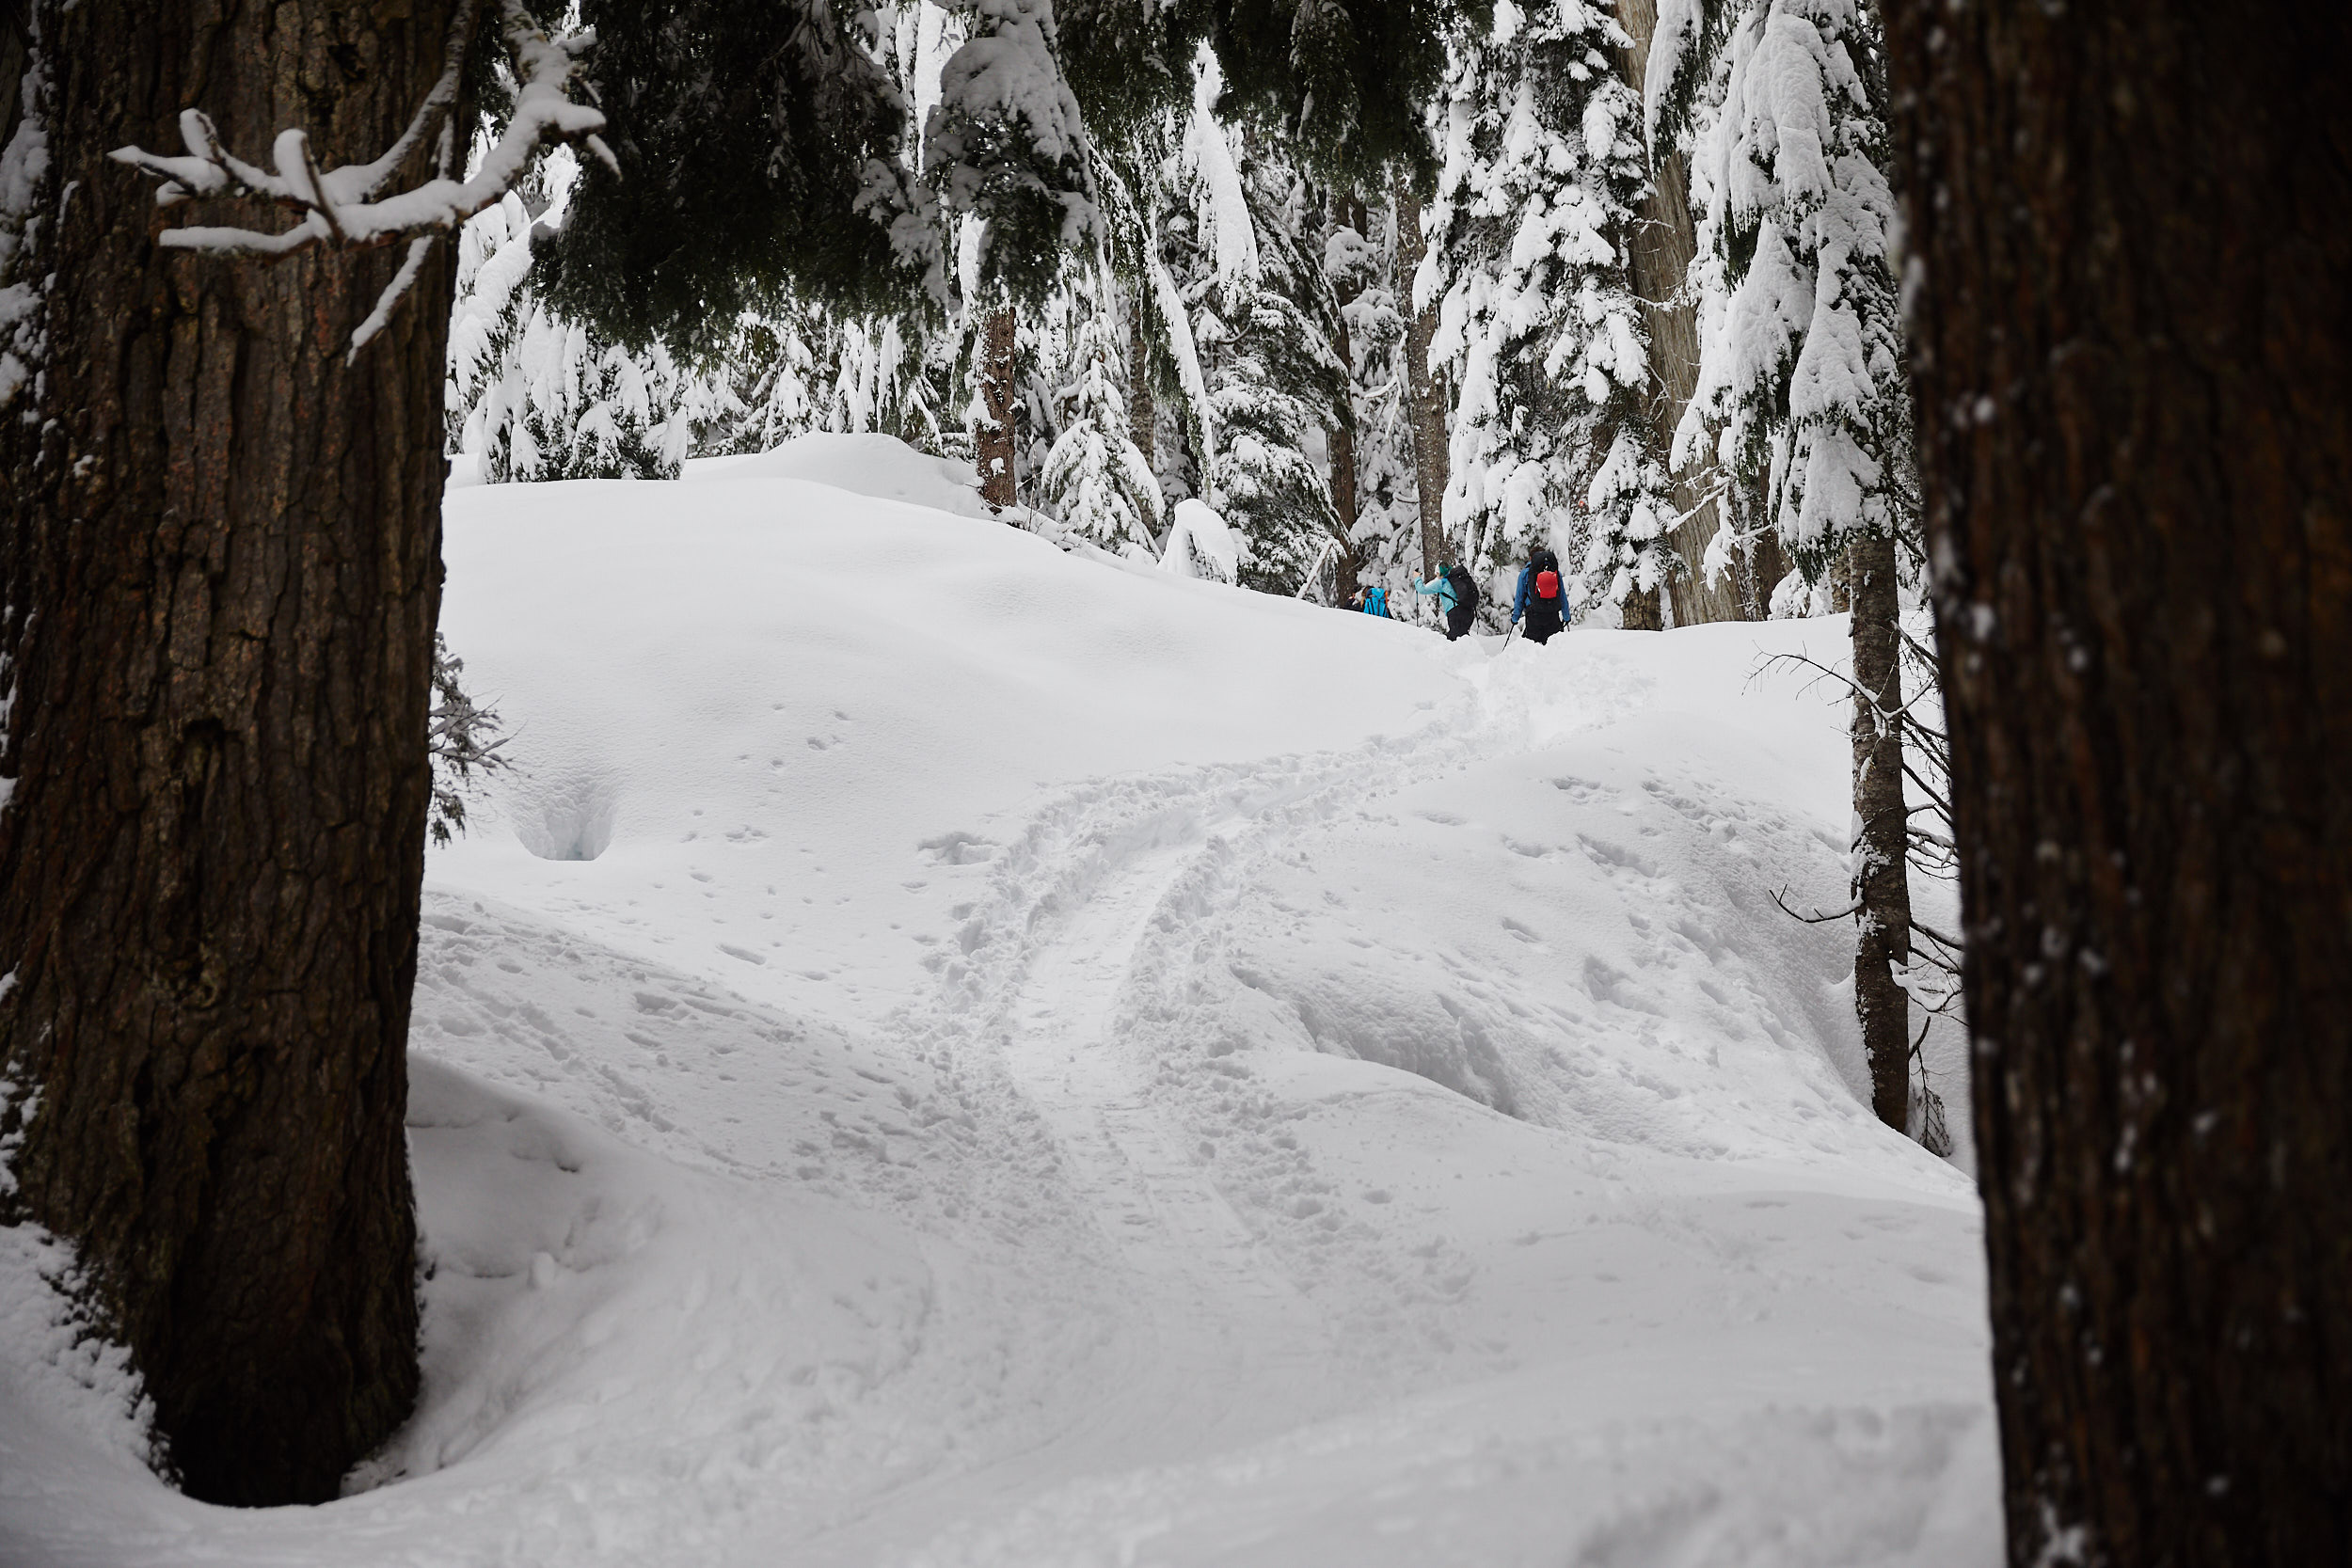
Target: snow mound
[(882, 467), (1200, 545)]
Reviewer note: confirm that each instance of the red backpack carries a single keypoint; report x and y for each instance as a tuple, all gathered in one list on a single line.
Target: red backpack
[(1546, 585)]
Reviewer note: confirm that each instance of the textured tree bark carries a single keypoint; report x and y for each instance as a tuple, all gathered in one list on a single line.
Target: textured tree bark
[(1427, 394), (993, 441), (1344, 492), (2130, 231), (1142, 417), (221, 567), (1662, 244), (1642, 612), (1883, 883)]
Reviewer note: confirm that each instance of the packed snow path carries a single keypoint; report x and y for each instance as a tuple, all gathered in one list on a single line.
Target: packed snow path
[(954, 1054), (1221, 1314)]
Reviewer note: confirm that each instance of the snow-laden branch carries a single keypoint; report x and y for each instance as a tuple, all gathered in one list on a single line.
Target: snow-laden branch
[(344, 208)]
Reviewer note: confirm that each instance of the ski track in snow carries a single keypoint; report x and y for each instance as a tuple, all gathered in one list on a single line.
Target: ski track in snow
[(1232, 1185), (1094, 889)]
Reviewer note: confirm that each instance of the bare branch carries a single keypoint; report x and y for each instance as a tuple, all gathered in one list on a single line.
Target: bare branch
[(1941, 806), (1950, 943), (1817, 917)]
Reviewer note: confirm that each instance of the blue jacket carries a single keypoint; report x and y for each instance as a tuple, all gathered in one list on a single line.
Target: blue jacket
[(1443, 588)]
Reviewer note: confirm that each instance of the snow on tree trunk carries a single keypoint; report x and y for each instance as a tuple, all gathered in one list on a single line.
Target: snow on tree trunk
[(1424, 391), (2132, 355), (992, 435), (221, 567), (1882, 848), (1351, 264)]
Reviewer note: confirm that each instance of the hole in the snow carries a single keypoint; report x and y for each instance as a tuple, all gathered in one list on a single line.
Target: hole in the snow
[(570, 820)]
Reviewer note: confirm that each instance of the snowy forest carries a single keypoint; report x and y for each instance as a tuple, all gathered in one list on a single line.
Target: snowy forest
[(1176, 782)]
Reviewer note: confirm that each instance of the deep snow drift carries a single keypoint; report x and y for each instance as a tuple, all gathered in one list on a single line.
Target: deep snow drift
[(952, 1052)]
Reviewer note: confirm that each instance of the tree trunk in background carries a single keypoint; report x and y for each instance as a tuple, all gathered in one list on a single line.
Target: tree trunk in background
[(1663, 242), (1883, 881), (1344, 492), (221, 567), (1142, 415), (1344, 487), (991, 442), (2131, 328), (1766, 564), (1642, 612), (1427, 395)]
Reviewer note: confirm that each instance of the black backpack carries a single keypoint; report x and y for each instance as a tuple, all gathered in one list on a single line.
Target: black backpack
[(1464, 590)]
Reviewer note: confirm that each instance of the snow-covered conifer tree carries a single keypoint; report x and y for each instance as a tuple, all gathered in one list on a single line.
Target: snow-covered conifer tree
[(1259, 311), (1385, 539), (1543, 161), (536, 396), (1096, 482), (1801, 382)]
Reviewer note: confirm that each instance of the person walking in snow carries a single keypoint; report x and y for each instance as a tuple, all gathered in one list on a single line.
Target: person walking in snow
[(1456, 595), (1539, 598), (1372, 601)]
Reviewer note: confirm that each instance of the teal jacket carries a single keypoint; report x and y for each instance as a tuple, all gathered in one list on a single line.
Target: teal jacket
[(1443, 588)]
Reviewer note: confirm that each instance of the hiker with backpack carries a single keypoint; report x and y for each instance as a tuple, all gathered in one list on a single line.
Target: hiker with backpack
[(1539, 598), (1457, 596), (1374, 601)]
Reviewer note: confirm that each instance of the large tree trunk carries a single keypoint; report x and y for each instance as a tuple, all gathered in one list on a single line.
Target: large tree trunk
[(1661, 246), (991, 442), (1883, 881), (2131, 234), (221, 567), (1427, 395)]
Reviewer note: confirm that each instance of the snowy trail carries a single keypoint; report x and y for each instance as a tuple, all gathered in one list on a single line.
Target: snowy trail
[(1221, 1317)]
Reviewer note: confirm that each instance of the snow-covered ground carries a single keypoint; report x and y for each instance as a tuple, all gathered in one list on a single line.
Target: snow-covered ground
[(952, 1052)]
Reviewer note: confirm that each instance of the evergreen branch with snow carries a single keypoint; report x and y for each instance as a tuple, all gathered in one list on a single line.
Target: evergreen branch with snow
[(463, 742), (344, 208)]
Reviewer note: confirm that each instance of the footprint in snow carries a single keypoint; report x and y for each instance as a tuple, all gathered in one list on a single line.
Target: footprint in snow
[(958, 849)]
